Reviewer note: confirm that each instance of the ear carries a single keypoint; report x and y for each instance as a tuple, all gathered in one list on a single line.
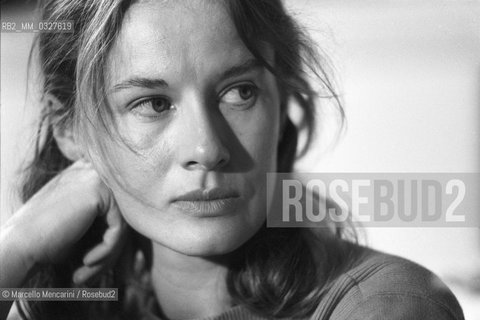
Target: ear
[(62, 130)]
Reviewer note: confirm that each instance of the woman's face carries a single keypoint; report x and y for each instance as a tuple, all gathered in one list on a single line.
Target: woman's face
[(199, 117)]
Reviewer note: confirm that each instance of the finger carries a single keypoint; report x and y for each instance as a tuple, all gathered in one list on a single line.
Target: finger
[(97, 254), (85, 273), (114, 217), (112, 239)]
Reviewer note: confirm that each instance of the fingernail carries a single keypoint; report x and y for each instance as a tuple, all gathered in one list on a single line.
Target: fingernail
[(77, 278)]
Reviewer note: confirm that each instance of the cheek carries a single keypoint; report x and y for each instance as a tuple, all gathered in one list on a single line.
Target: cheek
[(144, 147), (141, 136), (259, 132), (264, 141), (138, 165)]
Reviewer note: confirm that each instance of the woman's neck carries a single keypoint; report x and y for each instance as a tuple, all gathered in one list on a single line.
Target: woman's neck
[(189, 287)]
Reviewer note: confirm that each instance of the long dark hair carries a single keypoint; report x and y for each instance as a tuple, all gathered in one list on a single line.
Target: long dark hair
[(278, 272)]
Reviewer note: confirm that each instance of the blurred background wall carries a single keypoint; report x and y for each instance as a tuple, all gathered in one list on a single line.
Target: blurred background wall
[(409, 73)]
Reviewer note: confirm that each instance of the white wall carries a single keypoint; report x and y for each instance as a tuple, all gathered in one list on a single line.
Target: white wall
[(17, 114), (410, 76)]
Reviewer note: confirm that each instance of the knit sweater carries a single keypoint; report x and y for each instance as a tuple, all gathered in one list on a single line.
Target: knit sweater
[(380, 287)]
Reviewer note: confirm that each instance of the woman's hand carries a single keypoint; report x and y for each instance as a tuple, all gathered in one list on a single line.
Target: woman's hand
[(58, 215)]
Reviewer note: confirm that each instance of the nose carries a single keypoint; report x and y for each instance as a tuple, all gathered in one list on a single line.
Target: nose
[(202, 146)]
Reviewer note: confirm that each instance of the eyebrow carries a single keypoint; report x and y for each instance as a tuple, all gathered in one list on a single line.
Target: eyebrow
[(241, 69), (141, 82)]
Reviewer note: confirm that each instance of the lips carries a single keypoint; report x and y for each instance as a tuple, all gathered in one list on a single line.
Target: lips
[(208, 202)]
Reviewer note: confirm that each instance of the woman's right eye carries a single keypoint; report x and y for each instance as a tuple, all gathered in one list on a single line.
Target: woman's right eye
[(152, 107)]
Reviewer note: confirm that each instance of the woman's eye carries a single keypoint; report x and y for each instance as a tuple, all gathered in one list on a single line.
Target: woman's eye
[(242, 95), (152, 107)]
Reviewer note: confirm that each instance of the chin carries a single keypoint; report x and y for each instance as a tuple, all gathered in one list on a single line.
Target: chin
[(209, 238)]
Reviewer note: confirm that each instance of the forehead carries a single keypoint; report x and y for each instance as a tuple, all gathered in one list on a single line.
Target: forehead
[(176, 35)]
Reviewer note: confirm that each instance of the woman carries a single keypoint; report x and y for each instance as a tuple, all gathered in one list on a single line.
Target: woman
[(162, 119)]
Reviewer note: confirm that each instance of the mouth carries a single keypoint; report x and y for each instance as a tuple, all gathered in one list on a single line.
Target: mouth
[(208, 202)]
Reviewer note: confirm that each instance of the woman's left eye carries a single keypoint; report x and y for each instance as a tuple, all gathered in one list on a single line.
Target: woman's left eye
[(241, 95)]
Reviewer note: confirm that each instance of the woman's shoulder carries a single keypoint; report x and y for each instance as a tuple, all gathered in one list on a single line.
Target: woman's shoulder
[(386, 286)]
